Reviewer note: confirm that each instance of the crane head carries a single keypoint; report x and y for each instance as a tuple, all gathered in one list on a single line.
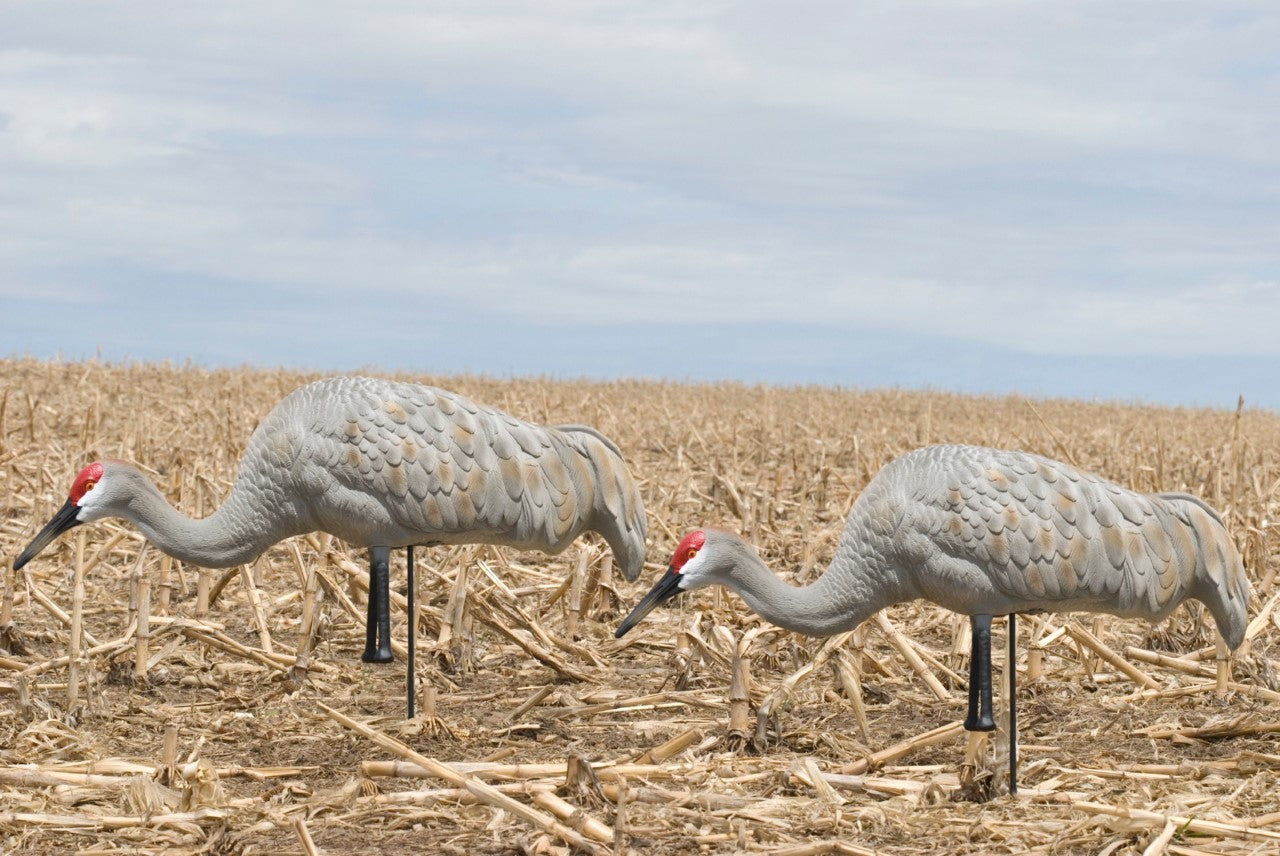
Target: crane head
[(682, 575), (76, 510)]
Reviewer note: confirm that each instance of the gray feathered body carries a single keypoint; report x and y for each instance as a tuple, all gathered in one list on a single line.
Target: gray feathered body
[(986, 531), (378, 462)]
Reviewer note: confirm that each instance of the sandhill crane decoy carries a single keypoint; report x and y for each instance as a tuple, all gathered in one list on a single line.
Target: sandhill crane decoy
[(985, 532), (382, 464)]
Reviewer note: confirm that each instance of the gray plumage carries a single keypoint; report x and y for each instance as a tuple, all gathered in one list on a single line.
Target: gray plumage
[(381, 463), (988, 532)]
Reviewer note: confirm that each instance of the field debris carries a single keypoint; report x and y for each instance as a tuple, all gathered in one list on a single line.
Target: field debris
[(148, 706)]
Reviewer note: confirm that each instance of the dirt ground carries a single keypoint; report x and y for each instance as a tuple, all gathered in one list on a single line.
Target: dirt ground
[(552, 730)]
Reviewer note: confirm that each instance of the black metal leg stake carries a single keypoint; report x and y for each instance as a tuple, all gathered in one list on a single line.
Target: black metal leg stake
[(413, 620), (1013, 703), (377, 629), (979, 718)]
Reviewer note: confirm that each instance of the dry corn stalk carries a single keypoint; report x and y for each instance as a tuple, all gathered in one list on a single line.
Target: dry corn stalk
[(575, 600), (1090, 641), (675, 745), (480, 790), (909, 653), (850, 684), (769, 706)]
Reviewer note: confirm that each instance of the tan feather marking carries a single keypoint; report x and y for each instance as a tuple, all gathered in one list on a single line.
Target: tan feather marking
[(1157, 539), (585, 484), (479, 481), (396, 412), (1185, 547), (444, 474), (409, 450), (1113, 540), (534, 489), (612, 496), (1067, 577), (1078, 552), (1034, 581), (464, 437), (1011, 517), (1066, 506), (1236, 567), (954, 524), (431, 511), (448, 508), (563, 525), (398, 481), (1214, 563), (1041, 544), (999, 548), (1048, 542), (1168, 581), (568, 511), (954, 499), (1214, 560), (997, 478), (557, 476), (1137, 552), (512, 478), (466, 510), (351, 457)]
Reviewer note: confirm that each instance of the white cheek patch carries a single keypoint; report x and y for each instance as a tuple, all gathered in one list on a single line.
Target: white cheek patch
[(88, 507), (692, 574)]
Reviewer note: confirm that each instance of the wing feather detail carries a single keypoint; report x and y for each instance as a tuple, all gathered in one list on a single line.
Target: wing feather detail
[(428, 466), (1044, 533)]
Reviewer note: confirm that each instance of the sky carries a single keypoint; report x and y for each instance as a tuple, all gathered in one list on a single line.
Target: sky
[(1068, 199)]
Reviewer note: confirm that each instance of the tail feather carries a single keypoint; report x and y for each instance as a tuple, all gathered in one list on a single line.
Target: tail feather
[(587, 429), (1220, 582), (618, 508)]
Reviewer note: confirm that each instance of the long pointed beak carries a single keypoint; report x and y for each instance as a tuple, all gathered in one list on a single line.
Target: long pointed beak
[(61, 522), (667, 587)]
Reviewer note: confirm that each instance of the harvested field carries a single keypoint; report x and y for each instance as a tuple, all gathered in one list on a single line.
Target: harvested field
[(545, 728)]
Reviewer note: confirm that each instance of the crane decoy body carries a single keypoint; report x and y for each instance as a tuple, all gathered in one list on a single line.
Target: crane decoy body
[(383, 464), (985, 532)]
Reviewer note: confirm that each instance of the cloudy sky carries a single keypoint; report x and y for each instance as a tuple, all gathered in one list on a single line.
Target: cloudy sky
[(1054, 198)]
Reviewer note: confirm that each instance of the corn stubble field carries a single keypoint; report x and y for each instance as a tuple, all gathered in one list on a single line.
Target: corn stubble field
[(193, 715)]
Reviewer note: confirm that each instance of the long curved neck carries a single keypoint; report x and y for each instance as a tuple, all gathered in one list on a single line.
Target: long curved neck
[(851, 590), (219, 541)]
